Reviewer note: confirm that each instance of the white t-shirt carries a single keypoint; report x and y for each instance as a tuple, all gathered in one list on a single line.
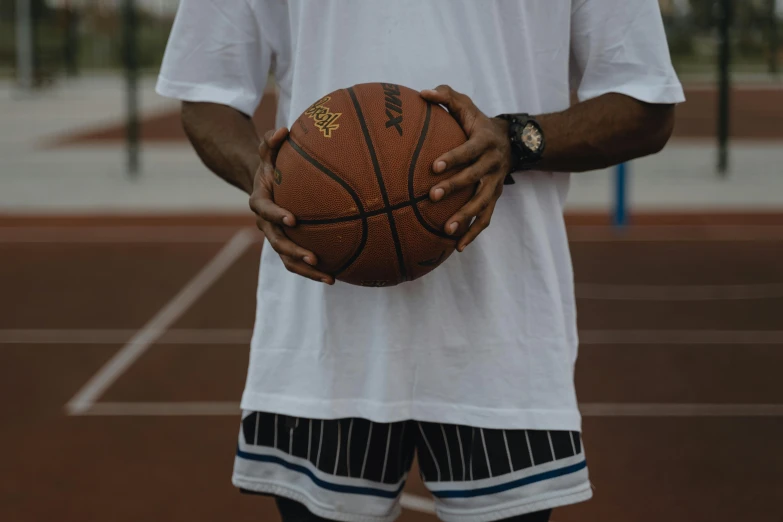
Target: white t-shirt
[(489, 338)]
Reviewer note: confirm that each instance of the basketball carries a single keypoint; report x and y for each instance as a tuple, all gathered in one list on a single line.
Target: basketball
[(356, 171)]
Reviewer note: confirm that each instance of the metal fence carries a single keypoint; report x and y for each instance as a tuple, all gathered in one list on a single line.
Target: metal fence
[(694, 37), (71, 37)]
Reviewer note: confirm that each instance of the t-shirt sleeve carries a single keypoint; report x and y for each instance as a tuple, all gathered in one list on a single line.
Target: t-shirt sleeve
[(215, 54), (620, 46)]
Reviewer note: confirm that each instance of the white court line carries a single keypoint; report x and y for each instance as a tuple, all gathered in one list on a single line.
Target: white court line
[(218, 234), (120, 336), (157, 326), (644, 233), (677, 292), (677, 337), (160, 409), (745, 87), (117, 234), (588, 409), (242, 337), (680, 410)]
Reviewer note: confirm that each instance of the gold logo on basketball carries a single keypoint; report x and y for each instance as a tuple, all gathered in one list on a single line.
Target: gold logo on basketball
[(278, 177), (323, 117)]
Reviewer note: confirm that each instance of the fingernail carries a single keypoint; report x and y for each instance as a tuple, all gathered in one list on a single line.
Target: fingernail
[(461, 248), (438, 193), (308, 260), (440, 166), (453, 228), (325, 281), (288, 221)]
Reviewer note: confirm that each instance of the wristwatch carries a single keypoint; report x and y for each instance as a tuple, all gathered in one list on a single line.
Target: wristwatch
[(527, 141)]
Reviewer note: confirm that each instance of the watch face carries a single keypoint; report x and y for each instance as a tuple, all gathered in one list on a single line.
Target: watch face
[(531, 137)]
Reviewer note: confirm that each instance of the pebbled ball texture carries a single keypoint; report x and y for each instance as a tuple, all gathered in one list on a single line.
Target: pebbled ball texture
[(356, 172)]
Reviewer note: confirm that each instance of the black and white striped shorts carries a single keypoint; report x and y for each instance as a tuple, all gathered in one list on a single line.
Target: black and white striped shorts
[(355, 469)]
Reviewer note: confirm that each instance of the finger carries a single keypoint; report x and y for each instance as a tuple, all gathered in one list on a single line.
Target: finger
[(283, 245), (479, 225), (465, 178), (272, 141), (440, 94), (484, 197), (295, 266), (459, 105), (262, 204), (465, 154)]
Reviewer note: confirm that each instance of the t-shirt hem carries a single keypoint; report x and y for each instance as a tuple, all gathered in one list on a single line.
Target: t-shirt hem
[(193, 92), (566, 419)]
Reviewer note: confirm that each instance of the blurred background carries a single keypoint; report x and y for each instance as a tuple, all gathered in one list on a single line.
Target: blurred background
[(127, 283), (77, 87)]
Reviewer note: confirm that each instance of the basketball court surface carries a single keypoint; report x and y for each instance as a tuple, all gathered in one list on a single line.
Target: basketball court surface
[(124, 344)]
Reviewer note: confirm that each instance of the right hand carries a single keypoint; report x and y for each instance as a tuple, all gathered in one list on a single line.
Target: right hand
[(271, 218)]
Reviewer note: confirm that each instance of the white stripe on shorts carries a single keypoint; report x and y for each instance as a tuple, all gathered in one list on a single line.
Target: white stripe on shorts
[(508, 453), (448, 453), (437, 468), (529, 451), (486, 455), (386, 455), (461, 454), (366, 450)]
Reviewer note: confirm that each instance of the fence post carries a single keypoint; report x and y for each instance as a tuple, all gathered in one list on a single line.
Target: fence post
[(130, 55), (724, 83), (24, 45), (773, 37), (620, 214)]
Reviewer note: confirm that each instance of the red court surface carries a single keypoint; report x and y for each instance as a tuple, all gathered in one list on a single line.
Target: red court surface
[(679, 371)]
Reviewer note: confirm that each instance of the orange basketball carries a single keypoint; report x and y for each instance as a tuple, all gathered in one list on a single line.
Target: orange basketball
[(356, 172)]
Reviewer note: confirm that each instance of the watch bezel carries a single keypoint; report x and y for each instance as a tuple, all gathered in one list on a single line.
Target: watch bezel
[(524, 156)]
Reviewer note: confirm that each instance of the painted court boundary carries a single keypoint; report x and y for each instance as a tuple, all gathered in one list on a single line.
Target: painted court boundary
[(589, 409), (157, 326), (241, 337), (219, 234)]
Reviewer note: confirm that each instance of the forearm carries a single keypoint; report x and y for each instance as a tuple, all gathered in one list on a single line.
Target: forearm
[(602, 132), (225, 139)]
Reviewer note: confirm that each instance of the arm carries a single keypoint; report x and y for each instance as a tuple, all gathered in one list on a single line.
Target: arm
[(227, 143), (627, 86), (217, 64), (604, 131), (225, 139), (597, 133)]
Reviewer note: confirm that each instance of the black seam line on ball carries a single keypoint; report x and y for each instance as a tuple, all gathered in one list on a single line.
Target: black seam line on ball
[(412, 171), (379, 177), (362, 215), (350, 191)]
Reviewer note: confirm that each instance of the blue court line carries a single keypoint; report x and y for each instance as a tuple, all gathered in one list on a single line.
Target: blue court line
[(340, 488), (467, 493)]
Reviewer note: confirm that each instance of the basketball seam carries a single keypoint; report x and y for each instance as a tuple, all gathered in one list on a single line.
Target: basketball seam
[(361, 215), (411, 173), (381, 185), (307, 157)]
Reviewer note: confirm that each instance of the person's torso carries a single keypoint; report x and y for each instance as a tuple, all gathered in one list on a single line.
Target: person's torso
[(512, 288)]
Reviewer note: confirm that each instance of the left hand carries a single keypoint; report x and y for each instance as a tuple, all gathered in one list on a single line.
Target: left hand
[(484, 159)]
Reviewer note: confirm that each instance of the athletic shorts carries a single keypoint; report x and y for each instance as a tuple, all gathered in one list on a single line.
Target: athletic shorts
[(355, 469)]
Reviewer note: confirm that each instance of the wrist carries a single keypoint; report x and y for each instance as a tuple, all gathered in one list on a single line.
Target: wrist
[(526, 140), (503, 125)]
